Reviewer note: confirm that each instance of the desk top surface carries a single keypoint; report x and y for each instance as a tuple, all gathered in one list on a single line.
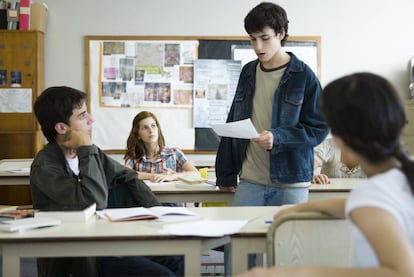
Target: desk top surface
[(338, 184), (21, 168), (99, 229)]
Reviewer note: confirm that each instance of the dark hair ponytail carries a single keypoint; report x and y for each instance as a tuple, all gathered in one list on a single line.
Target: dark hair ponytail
[(365, 110), (407, 166)]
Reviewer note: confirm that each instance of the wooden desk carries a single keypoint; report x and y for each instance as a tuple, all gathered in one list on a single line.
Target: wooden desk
[(251, 238), (165, 192), (339, 187), (102, 238), (14, 182), (168, 193)]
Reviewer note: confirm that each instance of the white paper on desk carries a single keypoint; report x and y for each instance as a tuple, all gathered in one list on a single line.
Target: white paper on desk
[(243, 129), (205, 228)]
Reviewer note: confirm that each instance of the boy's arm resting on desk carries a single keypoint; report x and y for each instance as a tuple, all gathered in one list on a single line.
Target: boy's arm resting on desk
[(125, 187)]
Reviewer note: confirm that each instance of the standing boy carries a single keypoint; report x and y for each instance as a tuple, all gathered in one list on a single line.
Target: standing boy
[(280, 94), (72, 172)]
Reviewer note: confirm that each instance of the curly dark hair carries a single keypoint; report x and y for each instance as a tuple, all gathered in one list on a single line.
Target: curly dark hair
[(267, 14)]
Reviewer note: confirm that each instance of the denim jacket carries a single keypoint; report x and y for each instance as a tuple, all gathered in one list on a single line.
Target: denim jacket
[(296, 125)]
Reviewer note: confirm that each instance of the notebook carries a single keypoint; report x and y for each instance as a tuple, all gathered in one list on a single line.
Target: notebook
[(27, 224)]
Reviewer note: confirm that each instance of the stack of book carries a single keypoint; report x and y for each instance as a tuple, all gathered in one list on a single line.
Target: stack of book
[(13, 15), (16, 220), (194, 182), (68, 214)]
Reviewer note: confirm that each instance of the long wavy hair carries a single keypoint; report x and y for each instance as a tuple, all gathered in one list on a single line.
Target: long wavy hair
[(135, 145)]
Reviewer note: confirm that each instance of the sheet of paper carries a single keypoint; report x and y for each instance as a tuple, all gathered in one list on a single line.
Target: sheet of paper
[(243, 129), (205, 228)]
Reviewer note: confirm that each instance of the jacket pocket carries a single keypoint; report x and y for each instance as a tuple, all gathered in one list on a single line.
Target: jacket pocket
[(291, 107), (294, 97)]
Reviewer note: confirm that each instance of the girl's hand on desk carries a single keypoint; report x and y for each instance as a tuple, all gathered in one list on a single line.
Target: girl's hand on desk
[(230, 188), (157, 178), (321, 179)]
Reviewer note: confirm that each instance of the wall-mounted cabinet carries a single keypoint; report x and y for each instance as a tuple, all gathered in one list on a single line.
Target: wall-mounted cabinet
[(21, 81)]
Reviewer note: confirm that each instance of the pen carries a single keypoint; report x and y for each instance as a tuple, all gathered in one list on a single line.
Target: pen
[(268, 221)]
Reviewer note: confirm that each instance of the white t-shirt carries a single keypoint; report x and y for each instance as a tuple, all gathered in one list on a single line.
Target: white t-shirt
[(389, 191), (74, 165), (328, 155)]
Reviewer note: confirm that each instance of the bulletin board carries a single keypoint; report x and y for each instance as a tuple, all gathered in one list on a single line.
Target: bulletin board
[(128, 74)]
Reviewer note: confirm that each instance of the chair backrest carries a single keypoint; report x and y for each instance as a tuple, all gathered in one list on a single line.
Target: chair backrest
[(310, 239)]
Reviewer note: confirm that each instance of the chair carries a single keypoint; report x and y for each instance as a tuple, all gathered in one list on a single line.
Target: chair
[(310, 239)]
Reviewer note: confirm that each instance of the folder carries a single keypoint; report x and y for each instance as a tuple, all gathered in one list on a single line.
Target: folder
[(3, 19), (38, 17), (24, 16)]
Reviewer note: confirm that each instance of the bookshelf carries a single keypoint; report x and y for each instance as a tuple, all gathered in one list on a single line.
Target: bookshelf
[(20, 51)]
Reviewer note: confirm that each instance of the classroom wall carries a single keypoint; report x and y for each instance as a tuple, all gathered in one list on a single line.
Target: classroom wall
[(368, 35)]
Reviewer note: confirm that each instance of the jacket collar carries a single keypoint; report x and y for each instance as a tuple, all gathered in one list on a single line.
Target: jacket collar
[(294, 65)]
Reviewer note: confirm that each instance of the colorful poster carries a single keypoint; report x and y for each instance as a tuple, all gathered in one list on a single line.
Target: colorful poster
[(147, 73), (215, 83)]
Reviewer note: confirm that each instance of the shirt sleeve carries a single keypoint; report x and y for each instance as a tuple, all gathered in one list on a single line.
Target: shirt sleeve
[(181, 159), (324, 152)]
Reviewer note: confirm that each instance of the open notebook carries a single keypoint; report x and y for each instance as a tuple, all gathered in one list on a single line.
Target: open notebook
[(140, 213)]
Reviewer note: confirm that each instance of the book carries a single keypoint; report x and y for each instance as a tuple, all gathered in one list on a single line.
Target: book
[(192, 179), (68, 214), (3, 19), (198, 186), (141, 213), (24, 15), (13, 15), (28, 223), (16, 214)]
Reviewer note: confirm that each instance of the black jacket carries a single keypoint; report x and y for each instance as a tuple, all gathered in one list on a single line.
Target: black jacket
[(101, 180)]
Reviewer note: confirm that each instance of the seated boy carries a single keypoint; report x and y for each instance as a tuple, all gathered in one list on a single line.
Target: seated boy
[(72, 172)]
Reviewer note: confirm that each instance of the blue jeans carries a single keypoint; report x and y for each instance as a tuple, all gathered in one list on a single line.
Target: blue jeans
[(249, 194)]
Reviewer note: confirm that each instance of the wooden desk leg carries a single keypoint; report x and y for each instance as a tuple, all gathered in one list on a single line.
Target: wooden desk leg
[(192, 261), (239, 255), (11, 262), (240, 250)]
